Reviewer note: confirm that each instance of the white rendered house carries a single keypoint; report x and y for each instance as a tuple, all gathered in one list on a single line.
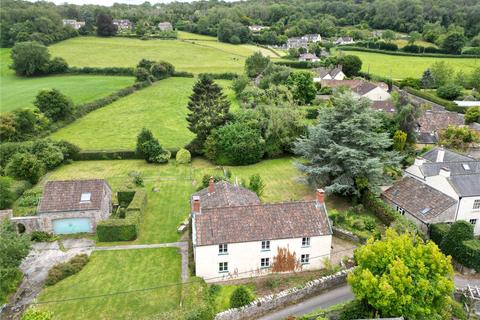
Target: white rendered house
[(235, 236)]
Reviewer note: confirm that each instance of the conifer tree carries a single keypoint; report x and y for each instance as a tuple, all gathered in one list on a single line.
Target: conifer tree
[(208, 108)]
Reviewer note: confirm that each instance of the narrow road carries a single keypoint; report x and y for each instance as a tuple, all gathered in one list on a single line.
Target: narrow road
[(324, 300)]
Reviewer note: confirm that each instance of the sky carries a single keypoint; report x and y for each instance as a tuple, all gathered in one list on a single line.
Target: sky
[(111, 2)]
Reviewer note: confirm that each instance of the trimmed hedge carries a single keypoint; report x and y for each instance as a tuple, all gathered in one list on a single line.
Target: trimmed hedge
[(438, 231), (470, 255), (66, 269), (109, 71), (221, 76), (114, 154), (300, 64), (183, 74), (124, 229), (450, 106), (401, 53), (125, 197)]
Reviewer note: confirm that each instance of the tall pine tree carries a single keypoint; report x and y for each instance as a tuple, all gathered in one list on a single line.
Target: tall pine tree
[(208, 108)]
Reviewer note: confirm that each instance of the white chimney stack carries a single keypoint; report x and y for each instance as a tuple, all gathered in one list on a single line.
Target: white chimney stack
[(419, 161), (440, 154), (445, 172)]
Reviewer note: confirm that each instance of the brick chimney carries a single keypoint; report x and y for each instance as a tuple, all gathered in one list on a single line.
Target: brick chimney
[(196, 204), (211, 185), (320, 196)]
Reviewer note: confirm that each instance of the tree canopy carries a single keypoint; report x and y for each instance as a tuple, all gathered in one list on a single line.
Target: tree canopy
[(400, 275), (346, 151)]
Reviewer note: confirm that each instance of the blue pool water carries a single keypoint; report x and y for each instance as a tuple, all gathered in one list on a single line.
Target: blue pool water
[(71, 225)]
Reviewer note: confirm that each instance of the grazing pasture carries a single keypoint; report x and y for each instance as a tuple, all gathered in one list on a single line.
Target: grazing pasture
[(161, 108), (399, 67), (115, 271), (18, 92), (197, 55)]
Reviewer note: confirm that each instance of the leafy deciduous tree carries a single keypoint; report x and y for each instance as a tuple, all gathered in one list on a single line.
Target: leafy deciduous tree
[(30, 58), (255, 64), (54, 104), (105, 26)]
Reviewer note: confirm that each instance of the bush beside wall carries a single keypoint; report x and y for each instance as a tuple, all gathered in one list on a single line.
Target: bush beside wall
[(438, 232), (470, 255)]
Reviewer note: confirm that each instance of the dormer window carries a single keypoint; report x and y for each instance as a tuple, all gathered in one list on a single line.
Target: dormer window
[(85, 197)]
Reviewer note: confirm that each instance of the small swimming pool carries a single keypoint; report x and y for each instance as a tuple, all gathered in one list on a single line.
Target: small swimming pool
[(72, 225)]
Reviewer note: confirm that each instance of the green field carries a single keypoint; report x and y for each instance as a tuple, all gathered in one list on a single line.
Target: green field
[(161, 108), (17, 92), (194, 56), (399, 67), (114, 271)]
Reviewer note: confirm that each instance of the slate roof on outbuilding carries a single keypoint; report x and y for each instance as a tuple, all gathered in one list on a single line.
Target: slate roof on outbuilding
[(450, 156), (226, 194), (261, 222), (59, 196), (418, 199)]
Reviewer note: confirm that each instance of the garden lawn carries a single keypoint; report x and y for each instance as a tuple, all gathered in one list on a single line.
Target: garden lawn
[(169, 206), (125, 52), (18, 92), (399, 67), (162, 108), (115, 271)]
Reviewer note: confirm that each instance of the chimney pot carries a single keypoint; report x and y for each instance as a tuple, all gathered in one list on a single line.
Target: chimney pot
[(196, 204), (320, 196), (211, 185)]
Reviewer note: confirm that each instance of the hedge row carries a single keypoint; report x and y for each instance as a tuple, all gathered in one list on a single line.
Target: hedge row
[(300, 64), (109, 71), (471, 254), (114, 154), (147, 37), (401, 53), (221, 76), (183, 74), (125, 197), (126, 229), (438, 232), (450, 106)]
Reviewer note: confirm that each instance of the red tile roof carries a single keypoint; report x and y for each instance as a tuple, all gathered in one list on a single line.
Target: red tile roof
[(226, 194)]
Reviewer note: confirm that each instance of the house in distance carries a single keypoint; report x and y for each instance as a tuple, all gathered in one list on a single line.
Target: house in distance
[(234, 235)]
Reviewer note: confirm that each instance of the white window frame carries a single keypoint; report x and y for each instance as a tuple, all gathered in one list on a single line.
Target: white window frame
[(305, 258), (223, 267), (264, 263), (306, 242), (266, 245), (223, 248), (476, 205), (473, 221), (401, 210), (86, 197)]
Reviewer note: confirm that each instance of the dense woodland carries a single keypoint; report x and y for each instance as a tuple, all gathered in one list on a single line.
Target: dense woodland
[(435, 20)]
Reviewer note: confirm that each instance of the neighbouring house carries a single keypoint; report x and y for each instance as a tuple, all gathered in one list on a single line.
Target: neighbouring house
[(344, 40), (432, 122), (69, 206), (297, 42), (122, 24), (386, 106), (362, 88), (314, 37), (308, 57), (331, 73), (257, 28), (234, 235), (377, 33), (165, 26), (455, 179), (73, 23), (467, 104)]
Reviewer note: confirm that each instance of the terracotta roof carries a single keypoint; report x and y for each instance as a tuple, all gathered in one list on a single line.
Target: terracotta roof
[(435, 121), (261, 222), (65, 195), (225, 194), (419, 199)]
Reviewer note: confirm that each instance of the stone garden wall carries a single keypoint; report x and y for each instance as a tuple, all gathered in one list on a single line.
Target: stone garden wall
[(344, 234), (287, 297)]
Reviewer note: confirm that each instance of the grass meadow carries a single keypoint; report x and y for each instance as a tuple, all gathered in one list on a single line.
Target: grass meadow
[(17, 92), (114, 271), (161, 108), (399, 67), (199, 54)]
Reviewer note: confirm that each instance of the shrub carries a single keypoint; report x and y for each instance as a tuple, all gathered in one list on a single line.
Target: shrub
[(34, 314), (42, 236), (6, 194), (387, 46), (412, 48), (370, 223), (356, 310), (29, 58), (201, 313), (150, 149), (240, 297), (66, 269), (351, 65), (438, 231), (411, 82), (459, 231), (183, 156), (162, 70), (138, 180), (206, 180), (469, 255), (312, 113), (29, 199), (449, 91), (256, 184), (145, 64), (55, 105), (472, 115), (57, 65), (25, 166), (142, 74)]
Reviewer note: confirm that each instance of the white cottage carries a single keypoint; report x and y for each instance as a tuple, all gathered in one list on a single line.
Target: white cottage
[(235, 236)]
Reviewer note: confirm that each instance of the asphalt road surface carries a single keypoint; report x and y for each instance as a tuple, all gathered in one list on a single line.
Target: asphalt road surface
[(324, 300)]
